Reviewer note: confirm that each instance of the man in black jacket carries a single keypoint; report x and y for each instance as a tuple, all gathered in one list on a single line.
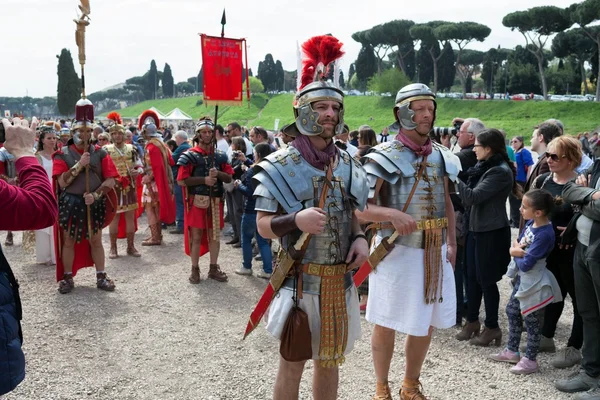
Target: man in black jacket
[(585, 192), (470, 128)]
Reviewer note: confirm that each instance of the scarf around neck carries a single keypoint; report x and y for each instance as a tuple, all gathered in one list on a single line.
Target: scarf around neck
[(423, 150), (476, 172), (315, 157)]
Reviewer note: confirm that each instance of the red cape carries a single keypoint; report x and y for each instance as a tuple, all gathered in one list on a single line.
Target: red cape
[(160, 160)]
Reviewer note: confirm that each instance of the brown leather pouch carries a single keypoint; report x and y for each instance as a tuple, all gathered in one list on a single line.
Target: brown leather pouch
[(201, 201), (295, 339)]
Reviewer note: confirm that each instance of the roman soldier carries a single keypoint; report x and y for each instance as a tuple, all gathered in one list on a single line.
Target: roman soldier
[(409, 201), (307, 195), (84, 176), (129, 166), (202, 174), (157, 196)]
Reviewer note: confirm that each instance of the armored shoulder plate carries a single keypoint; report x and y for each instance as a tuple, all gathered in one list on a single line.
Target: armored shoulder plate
[(189, 157), (286, 178), (277, 172), (389, 163), (221, 157), (451, 162)]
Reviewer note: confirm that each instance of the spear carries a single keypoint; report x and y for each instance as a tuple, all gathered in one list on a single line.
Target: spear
[(213, 204), (84, 109)]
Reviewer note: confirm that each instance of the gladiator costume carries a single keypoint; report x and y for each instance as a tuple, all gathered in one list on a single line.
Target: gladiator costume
[(413, 286), (126, 159), (203, 204), (8, 173), (73, 212), (157, 195), (426, 293), (287, 182)]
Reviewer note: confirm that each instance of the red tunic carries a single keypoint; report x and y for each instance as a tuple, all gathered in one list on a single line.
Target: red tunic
[(83, 253), (195, 217), (160, 160)]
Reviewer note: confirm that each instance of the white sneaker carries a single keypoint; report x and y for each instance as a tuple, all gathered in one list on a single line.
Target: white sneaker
[(243, 271), (263, 274), (566, 358)]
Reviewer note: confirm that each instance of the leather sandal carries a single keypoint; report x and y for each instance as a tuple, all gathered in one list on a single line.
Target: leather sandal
[(412, 390), (195, 276)]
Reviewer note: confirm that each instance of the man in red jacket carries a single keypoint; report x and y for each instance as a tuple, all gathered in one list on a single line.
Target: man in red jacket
[(157, 197), (31, 205)]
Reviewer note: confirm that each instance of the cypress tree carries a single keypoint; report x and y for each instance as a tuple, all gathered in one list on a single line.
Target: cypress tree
[(69, 85)]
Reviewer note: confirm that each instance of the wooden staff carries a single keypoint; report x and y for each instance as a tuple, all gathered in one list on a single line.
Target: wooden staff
[(89, 210)]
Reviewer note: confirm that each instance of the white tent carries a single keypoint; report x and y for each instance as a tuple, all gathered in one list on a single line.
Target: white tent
[(177, 115)]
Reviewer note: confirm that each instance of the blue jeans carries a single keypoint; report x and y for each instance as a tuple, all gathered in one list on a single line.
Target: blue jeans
[(248, 232), (179, 206)]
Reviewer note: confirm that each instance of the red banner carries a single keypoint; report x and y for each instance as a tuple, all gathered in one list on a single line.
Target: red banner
[(222, 65)]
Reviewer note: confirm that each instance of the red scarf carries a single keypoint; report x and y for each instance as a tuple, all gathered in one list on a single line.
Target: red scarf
[(423, 150), (317, 158)]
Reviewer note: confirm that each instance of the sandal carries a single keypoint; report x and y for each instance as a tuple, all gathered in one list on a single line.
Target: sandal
[(413, 391), (382, 392), (103, 282), (66, 285)]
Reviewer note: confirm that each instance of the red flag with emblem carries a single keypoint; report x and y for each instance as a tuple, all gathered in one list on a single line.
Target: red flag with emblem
[(223, 67)]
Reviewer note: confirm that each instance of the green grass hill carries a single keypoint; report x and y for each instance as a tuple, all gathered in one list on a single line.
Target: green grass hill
[(517, 118)]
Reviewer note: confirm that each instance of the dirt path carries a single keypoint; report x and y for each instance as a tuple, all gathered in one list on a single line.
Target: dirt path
[(158, 337)]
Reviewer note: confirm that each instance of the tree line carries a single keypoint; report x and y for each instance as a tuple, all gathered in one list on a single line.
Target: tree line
[(436, 52), (397, 52)]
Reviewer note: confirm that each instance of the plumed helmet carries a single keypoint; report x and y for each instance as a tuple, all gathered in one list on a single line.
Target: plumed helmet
[(320, 54), (84, 115), (116, 122), (413, 92), (149, 123)]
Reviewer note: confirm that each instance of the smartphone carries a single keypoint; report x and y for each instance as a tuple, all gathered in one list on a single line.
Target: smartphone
[(2, 133)]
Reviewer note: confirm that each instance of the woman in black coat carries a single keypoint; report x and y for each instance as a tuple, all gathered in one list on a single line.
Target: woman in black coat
[(484, 196)]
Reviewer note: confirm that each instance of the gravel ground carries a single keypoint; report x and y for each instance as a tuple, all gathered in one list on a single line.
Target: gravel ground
[(158, 337)]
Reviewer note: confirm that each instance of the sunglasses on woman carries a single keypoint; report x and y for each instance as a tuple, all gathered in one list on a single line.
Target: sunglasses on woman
[(554, 157)]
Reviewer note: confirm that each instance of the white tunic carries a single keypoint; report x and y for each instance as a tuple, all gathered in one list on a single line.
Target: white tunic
[(397, 293), (282, 304), (44, 238)]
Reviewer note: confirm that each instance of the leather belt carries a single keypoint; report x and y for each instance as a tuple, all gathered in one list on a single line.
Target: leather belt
[(415, 239), (311, 277)]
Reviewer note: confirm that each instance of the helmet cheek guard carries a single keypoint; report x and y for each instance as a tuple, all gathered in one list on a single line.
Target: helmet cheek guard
[(413, 92), (307, 119)]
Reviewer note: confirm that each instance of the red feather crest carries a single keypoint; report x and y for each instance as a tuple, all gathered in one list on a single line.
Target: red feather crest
[(317, 50), (148, 114), (115, 117)]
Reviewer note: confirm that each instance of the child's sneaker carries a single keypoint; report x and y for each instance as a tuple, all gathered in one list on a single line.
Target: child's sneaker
[(525, 367), (506, 356)]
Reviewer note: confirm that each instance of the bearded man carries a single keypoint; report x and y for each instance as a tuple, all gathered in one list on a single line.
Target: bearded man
[(307, 195)]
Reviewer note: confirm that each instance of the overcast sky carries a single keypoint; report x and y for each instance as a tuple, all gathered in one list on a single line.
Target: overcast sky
[(125, 35)]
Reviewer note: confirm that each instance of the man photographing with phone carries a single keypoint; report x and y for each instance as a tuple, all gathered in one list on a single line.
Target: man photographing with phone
[(29, 206)]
